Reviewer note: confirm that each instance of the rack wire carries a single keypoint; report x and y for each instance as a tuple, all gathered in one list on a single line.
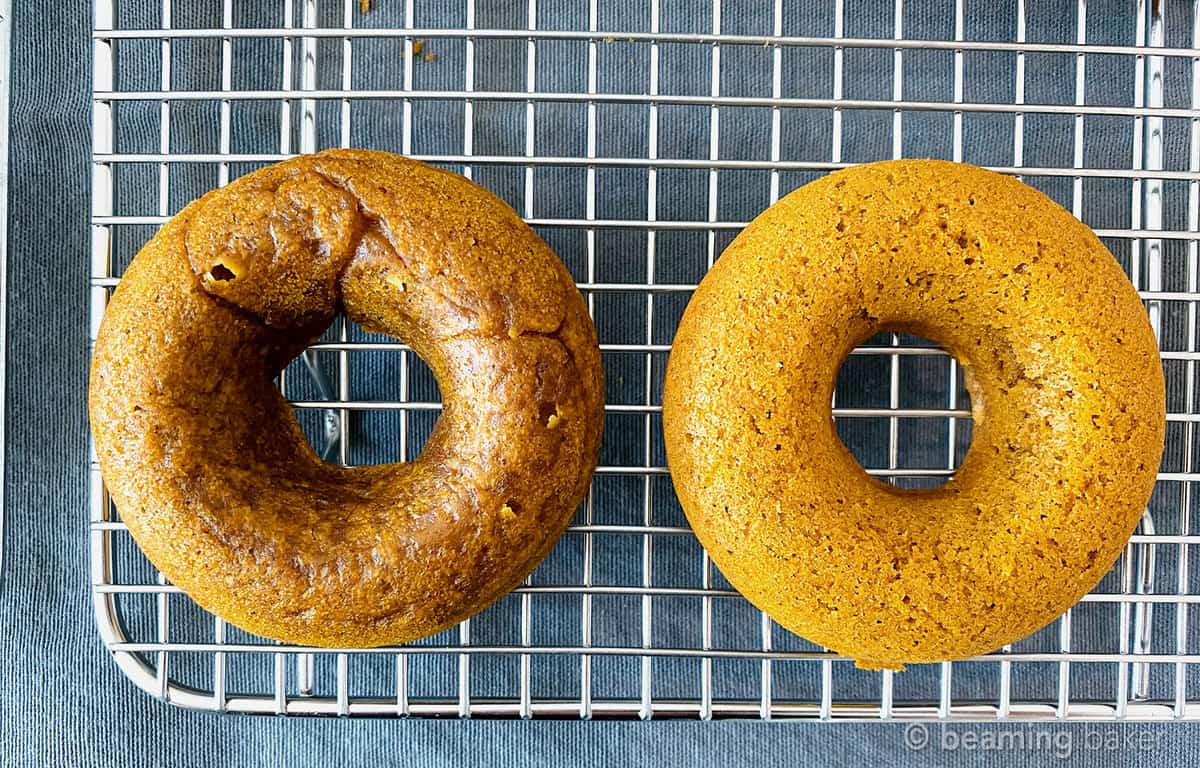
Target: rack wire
[(637, 142)]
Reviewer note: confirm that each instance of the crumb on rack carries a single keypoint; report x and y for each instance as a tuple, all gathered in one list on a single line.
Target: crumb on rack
[(364, 5), (418, 48)]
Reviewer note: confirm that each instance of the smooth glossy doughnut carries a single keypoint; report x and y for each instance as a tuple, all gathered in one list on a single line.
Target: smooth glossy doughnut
[(205, 459)]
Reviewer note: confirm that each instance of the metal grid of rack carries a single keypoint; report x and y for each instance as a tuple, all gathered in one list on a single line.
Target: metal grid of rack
[(571, 111)]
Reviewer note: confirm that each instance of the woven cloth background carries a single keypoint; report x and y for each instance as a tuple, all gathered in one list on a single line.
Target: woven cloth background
[(65, 703)]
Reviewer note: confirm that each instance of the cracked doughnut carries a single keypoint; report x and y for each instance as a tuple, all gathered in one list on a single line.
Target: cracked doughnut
[(206, 461), (1066, 391)]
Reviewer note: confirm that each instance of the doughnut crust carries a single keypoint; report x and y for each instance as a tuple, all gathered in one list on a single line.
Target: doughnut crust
[(209, 468), (1066, 390)]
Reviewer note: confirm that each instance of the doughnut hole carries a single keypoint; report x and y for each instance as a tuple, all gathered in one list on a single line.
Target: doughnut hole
[(902, 410), (398, 398)]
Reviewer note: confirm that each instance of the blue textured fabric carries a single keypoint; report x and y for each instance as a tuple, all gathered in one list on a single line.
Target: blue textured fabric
[(65, 702)]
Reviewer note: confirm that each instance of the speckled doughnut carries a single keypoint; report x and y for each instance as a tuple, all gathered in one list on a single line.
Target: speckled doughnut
[(1066, 391)]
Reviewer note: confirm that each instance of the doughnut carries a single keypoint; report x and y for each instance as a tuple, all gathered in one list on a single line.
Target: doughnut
[(210, 470), (1067, 403)]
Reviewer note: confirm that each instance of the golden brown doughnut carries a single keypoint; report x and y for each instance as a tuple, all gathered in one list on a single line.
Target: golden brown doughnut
[(208, 466), (1066, 392)]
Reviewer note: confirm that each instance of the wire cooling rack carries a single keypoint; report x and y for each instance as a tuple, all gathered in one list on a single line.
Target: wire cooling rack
[(637, 140)]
